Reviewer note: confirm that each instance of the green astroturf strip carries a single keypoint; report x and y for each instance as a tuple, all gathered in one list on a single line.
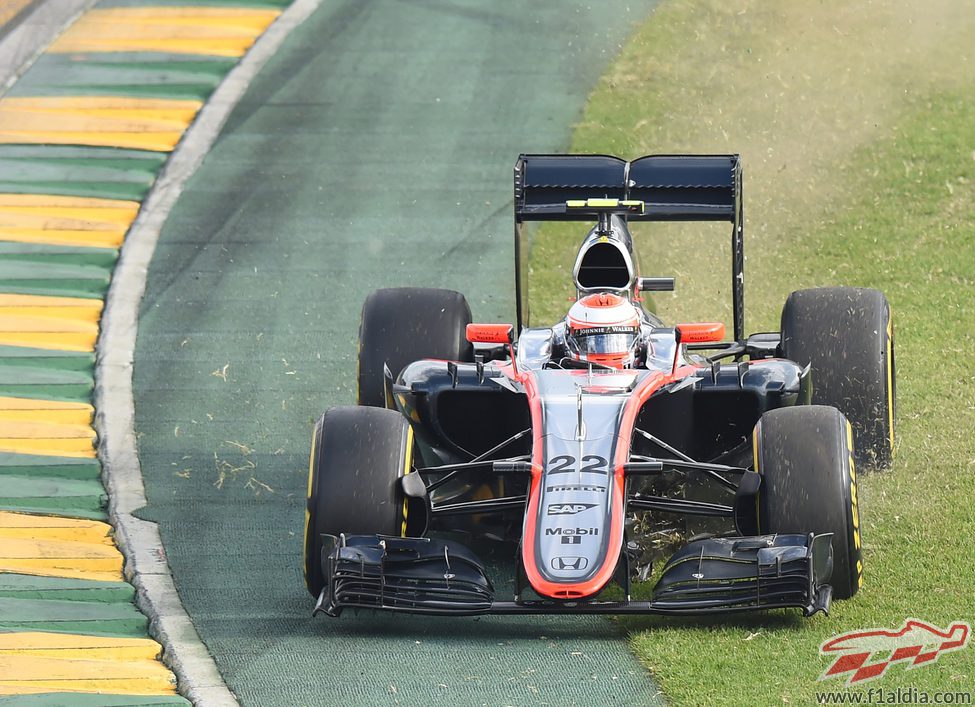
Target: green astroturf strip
[(115, 158), (79, 699), (102, 190), (56, 467), (82, 508), (137, 75), (43, 377), (54, 493), (88, 617), (25, 586), (69, 392), (44, 254), (102, 172), (47, 358), (31, 465), (56, 279)]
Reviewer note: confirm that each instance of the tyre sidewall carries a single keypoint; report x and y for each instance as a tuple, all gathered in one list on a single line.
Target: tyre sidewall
[(358, 456), (805, 456), (846, 335)]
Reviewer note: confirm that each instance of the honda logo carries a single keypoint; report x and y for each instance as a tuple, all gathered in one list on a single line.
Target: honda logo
[(568, 562)]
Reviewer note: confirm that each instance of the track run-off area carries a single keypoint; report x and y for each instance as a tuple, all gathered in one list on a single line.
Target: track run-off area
[(374, 150)]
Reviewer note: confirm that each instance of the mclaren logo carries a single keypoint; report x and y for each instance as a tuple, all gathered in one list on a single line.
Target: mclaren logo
[(568, 562), (568, 509)]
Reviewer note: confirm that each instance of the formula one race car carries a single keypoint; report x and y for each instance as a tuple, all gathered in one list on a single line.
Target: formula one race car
[(570, 441)]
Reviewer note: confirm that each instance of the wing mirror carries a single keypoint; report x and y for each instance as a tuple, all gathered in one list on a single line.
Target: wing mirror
[(696, 333), (655, 284), (490, 333), (700, 332)]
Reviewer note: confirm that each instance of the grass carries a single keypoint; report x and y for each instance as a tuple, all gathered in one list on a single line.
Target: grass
[(889, 203)]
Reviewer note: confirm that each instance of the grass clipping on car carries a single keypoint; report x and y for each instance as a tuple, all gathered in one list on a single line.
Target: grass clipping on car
[(856, 124)]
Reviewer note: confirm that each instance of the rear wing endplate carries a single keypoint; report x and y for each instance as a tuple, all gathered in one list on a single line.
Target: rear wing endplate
[(651, 188)]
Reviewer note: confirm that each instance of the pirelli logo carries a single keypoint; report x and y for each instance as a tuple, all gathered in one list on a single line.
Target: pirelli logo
[(593, 489)]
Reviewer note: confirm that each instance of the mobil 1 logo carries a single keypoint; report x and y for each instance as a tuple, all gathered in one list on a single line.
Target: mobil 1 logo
[(572, 536)]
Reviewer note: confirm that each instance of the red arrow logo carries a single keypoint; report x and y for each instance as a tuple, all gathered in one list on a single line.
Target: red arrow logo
[(916, 641)]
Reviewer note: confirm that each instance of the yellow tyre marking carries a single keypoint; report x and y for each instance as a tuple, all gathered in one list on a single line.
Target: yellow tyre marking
[(755, 467), (855, 511), (407, 468), (177, 30), (890, 380), (311, 472)]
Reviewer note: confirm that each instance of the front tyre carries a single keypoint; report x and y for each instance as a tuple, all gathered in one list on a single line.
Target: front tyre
[(805, 457), (358, 455)]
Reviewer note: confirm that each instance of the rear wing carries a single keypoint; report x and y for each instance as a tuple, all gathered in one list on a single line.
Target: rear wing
[(652, 188)]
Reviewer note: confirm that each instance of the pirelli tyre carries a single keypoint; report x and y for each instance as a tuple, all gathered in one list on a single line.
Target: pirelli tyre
[(358, 455), (805, 457), (405, 324), (847, 337)]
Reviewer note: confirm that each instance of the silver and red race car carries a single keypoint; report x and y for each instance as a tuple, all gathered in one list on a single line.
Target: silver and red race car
[(587, 448)]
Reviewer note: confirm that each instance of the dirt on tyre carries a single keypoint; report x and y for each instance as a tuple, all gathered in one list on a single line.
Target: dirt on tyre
[(805, 457), (405, 324), (846, 335), (358, 455)]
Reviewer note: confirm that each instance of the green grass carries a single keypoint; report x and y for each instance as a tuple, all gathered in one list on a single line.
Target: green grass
[(913, 238), (892, 208)]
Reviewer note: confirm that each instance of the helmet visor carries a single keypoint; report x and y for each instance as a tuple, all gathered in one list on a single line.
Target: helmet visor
[(605, 340)]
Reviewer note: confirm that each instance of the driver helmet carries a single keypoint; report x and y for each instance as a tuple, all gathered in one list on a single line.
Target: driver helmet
[(603, 328)]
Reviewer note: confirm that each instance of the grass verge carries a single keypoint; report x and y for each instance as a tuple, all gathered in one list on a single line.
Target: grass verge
[(862, 180)]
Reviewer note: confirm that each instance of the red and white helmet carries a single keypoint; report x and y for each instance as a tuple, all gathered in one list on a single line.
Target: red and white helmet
[(603, 328)]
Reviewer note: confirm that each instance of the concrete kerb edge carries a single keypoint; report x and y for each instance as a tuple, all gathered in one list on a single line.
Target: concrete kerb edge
[(140, 542), (33, 34)]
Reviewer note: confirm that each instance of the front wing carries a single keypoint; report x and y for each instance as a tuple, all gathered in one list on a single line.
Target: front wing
[(714, 575)]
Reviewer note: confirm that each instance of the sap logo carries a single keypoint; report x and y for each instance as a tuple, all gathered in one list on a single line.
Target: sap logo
[(568, 509), (572, 531), (569, 562)]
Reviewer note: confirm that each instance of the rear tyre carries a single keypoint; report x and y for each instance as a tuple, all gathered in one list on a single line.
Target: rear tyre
[(805, 457), (846, 335), (405, 324), (358, 455)]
